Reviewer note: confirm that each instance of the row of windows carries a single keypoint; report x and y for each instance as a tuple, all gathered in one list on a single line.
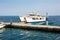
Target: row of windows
[(37, 18)]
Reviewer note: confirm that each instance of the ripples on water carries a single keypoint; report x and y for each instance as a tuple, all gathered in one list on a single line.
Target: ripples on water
[(20, 34)]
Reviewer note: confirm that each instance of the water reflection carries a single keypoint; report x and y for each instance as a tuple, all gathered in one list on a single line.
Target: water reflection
[(58, 38), (1, 31), (33, 35), (20, 34)]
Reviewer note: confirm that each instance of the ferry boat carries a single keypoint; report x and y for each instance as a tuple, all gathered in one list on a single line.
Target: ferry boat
[(33, 19)]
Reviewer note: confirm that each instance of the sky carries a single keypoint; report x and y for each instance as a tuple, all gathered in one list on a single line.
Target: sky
[(24, 7)]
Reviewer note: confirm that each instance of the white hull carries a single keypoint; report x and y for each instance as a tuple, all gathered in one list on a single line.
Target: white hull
[(1, 25), (29, 19)]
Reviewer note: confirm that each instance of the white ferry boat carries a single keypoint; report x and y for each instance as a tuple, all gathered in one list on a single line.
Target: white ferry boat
[(33, 19)]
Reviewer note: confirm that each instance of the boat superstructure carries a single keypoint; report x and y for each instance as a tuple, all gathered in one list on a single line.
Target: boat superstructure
[(33, 19)]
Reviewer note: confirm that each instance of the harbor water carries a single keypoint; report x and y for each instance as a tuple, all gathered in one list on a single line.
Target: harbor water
[(21, 34)]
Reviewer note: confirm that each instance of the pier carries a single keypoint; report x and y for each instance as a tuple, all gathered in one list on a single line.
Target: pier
[(34, 27)]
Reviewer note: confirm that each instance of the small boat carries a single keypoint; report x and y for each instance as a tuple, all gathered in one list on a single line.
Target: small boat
[(33, 19), (1, 25)]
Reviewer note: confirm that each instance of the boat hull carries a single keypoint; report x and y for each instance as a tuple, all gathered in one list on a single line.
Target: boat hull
[(39, 22), (1, 26)]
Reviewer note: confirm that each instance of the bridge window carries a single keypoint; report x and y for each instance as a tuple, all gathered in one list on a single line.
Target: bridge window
[(33, 18), (36, 18), (40, 18)]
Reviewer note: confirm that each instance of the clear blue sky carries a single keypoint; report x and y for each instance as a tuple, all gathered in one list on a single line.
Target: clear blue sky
[(23, 7)]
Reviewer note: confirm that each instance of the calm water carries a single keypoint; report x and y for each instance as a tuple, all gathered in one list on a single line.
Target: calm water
[(20, 34)]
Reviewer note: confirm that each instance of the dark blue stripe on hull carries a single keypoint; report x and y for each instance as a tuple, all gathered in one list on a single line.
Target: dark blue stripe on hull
[(41, 22)]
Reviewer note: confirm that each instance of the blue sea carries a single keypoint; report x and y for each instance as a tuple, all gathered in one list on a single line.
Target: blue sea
[(21, 34)]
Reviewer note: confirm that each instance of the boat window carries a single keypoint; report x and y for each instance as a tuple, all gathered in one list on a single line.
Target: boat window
[(40, 18), (33, 18), (32, 14), (36, 18)]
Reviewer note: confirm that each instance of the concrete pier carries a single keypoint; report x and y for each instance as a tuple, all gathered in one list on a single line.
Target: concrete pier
[(35, 27), (47, 28)]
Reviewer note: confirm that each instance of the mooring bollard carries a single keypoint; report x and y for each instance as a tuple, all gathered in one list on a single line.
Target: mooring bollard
[(46, 18)]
